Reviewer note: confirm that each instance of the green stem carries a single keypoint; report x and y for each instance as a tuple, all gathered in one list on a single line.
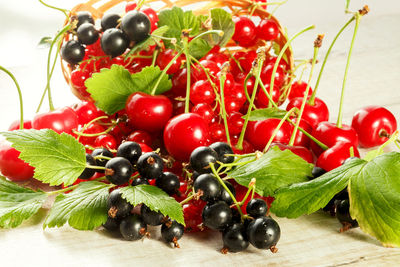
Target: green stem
[(95, 167), (219, 32), (102, 157), (222, 85), (319, 143), (69, 188), (250, 188), (183, 202), (64, 11), (311, 100), (188, 73), (88, 124), (164, 72), (21, 104), (340, 115), (153, 62)]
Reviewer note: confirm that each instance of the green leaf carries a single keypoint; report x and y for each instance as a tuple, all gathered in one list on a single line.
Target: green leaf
[(305, 198), (84, 209), (151, 40), (273, 170), (199, 48), (266, 113), (222, 20), (45, 42), (57, 158), (154, 198), (375, 198), (277, 49), (111, 87), (18, 203)]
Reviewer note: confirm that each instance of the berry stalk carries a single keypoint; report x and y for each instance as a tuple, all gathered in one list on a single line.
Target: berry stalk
[(188, 63), (164, 72), (223, 110)]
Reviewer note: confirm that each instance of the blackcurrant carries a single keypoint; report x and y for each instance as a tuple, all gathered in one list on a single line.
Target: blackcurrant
[(150, 165), (109, 21), (112, 224), (201, 158), (217, 216), (130, 150), (225, 195), (209, 186), (151, 217), (224, 152), (133, 227), (317, 172), (88, 172), (136, 25), (102, 152), (118, 170), (168, 182), (87, 34), (73, 52), (114, 42), (172, 231), (263, 232), (256, 208), (343, 214), (234, 238), (84, 17), (117, 206), (139, 181)]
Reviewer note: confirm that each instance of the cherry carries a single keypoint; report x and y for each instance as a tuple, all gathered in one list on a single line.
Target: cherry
[(198, 72), (217, 132), (60, 120), (91, 129), (373, 125), (78, 78), (140, 137), (298, 89), (192, 214), (147, 112), (184, 133), (336, 155), (105, 140), (202, 92), (245, 60), (300, 151), (205, 111), (165, 57), (329, 134), (301, 139), (86, 112), (15, 125), (262, 100), (312, 114), (153, 17), (145, 148), (235, 122), (218, 58), (266, 74), (11, 166), (130, 6), (267, 30), (247, 147), (237, 93), (179, 81), (245, 32)]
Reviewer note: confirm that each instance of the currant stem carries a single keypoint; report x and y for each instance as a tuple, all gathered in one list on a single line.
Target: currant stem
[(89, 123), (188, 73), (102, 157), (222, 85), (186, 200), (95, 167), (21, 105), (249, 190)]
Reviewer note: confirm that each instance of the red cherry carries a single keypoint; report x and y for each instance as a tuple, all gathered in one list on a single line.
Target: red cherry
[(245, 32), (267, 30), (105, 140), (192, 214), (218, 58), (205, 111), (266, 74), (11, 166), (78, 78), (235, 123), (165, 57), (147, 112), (145, 148), (198, 72), (179, 107), (217, 132), (92, 129), (298, 90), (183, 134), (247, 147), (282, 63), (86, 112), (262, 100), (179, 81), (301, 139), (244, 59), (15, 125), (152, 15), (263, 131), (329, 134), (130, 6), (312, 114), (336, 155), (373, 125), (60, 120), (237, 93), (202, 92), (140, 137), (300, 151)]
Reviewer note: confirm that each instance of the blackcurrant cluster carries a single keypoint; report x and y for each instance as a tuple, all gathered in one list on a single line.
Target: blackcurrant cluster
[(116, 34)]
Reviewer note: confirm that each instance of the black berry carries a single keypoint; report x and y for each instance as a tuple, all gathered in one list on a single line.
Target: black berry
[(235, 238), (102, 152), (225, 195), (136, 25), (112, 224), (110, 21), (151, 217), (133, 227), (73, 52), (317, 172), (201, 158), (343, 214), (217, 216), (168, 182), (88, 172), (209, 186), (263, 232), (172, 231), (114, 42), (224, 152), (130, 150), (87, 34), (150, 165), (117, 206), (118, 170), (84, 17), (256, 208), (139, 180)]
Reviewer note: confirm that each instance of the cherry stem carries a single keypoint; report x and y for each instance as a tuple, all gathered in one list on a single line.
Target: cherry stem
[(288, 87), (140, 4), (64, 11), (222, 85), (219, 32), (284, 48), (188, 73), (392, 139), (271, 139), (154, 58), (164, 72), (303, 104), (358, 17), (21, 105), (89, 123), (311, 100)]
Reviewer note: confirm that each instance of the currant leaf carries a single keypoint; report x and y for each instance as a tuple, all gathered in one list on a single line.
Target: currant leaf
[(17, 203), (305, 198), (199, 48), (266, 113), (151, 40), (273, 170), (154, 198), (84, 209), (57, 158), (222, 20), (147, 79)]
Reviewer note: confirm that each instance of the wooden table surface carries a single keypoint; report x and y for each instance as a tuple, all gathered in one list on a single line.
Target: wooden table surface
[(308, 241)]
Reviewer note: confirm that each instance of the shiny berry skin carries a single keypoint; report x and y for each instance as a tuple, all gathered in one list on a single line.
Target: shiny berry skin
[(262, 100), (153, 17), (140, 137), (117, 206), (225, 195), (217, 216), (150, 165), (78, 78), (218, 58), (172, 232), (109, 21), (87, 34), (11, 166), (245, 32), (300, 151), (201, 158), (16, 124), (245, 60), (72, 52), (114, 42), (202, 92), (184, 133), (130, 150), (373, 125), (266, 74), (209, 185), (217, 132), (267, 30), (179, 81), (86, 112), (343, 213), (301, 139), (198, 72), (112, 224), (235, 238), (312, 114), (139, 181), (102, 152), (298, 89), (151, 217), (136, 25), (168, 182), (147, 112), (329, 134), (235, 123), (94, 129), (84, 17), (165, 57), (205, 111), (336, 155), (256, 208), (60, 120), (105, 140), (133, 227), (263, 232), (223, 150), (88, 172), (118, 170), (130, 6)]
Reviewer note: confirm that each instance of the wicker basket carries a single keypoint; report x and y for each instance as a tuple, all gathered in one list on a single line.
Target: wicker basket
[(238, 7)]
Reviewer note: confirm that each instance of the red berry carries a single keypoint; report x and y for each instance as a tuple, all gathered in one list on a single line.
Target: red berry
[(145, 148), (262, 100), (130, 6), (11, 166), (267, 30), (266, 74), (92, 129), (205, 111), (218, 58), (78, 78), (15, 125), (179, 81), (300, 151), (301, 139), (217, 132), (298, 89), (336, 155), (86, 112), (140, 137), (165, 57), (60, 120), (152, 15), (312, 114), (202, 92), (245, 32), (198, 72), (244, 59), (235, 123), (105, 140)]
